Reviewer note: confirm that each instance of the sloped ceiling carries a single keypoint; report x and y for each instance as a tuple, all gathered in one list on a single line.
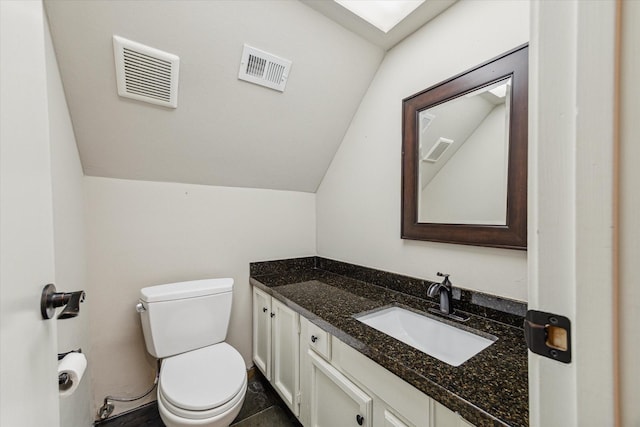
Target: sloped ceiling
[(225, 131)]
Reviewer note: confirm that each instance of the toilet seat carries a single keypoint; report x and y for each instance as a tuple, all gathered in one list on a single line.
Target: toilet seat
[(202, 383), (210, 414)]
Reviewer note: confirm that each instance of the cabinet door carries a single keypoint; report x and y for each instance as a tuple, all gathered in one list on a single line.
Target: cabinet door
[(391, 420), (286, 356), (336, 401), (444, 417), (305, 373), (396, 403), (262, 331)]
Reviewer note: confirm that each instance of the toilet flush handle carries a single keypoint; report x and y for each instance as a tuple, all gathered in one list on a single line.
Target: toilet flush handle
[(140, 308)]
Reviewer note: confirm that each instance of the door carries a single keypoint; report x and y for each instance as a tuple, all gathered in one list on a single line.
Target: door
[(336, 401), (28, 362), (262, 331), (629, 244), (286, 354), (572, 141)]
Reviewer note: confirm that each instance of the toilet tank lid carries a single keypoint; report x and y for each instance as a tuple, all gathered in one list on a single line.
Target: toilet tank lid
[(190, 289)]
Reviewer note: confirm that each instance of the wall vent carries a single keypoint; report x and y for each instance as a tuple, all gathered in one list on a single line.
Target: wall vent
[(425, 120), (264, 69), (438, 150), (145, 73)]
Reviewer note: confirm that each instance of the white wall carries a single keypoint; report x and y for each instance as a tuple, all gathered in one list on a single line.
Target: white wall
[(146, 233), (68, 229), (359, 198)]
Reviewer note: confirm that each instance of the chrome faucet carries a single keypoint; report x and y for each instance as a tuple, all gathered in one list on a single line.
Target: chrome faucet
[(445, 291)]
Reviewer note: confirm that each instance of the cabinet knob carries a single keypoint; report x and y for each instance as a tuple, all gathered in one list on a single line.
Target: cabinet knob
[(359, 419), (314, 338), (273, 315), (264, 309)]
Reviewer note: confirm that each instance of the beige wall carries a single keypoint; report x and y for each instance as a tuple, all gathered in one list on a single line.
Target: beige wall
[(68, 230), (359, 198), (629, 207), (146, 233)]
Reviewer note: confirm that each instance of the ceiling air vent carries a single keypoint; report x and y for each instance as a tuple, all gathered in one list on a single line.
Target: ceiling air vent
[(145, 73), (438, 150), (263, 68)]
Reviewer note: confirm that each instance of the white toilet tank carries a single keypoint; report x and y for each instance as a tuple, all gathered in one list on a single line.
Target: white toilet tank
[(184, 316)]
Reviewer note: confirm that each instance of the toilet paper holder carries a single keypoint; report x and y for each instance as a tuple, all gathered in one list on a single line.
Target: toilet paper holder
[(62, 355), (63, 378)]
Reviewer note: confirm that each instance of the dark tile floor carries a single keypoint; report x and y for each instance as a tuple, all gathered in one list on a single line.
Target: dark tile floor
[(262, 408)]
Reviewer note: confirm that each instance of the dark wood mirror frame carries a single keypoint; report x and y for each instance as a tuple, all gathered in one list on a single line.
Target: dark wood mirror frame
[(513, 235)]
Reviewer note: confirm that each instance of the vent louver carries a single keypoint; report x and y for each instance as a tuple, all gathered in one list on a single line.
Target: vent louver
[(145, 73), (425, 121), (438, 150), (264, 69)]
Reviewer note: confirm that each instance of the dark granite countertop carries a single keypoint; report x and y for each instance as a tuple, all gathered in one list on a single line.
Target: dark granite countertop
[(490, 389)]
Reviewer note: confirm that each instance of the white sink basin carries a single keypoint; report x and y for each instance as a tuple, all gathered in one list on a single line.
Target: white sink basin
[(444, 342)]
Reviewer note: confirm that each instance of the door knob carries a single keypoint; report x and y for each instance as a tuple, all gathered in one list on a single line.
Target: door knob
[(50, 300), (359, 419)]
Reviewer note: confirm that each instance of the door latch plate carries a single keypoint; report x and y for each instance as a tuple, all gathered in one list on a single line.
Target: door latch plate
[(548, 335)]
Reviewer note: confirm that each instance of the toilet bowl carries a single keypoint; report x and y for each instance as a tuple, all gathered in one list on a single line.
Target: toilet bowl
[(204, 387), (203, 380)]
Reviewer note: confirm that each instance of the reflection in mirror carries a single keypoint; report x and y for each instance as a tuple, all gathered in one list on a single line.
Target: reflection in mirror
[(463, 152)]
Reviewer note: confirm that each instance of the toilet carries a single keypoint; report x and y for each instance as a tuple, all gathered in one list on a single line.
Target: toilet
[(203, 380)]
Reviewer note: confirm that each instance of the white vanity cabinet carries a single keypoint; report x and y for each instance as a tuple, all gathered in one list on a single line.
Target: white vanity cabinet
[(276, 330), (396, 403), (341, 387), (327, 383)]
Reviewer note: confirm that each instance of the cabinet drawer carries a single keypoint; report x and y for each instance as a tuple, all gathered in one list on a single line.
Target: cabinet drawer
[(319, 340)]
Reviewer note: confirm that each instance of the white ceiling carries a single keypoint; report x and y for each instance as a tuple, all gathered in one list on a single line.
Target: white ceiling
[(225, 131)]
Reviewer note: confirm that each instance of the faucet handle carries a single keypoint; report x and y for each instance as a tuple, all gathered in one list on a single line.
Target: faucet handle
[(446, 283)]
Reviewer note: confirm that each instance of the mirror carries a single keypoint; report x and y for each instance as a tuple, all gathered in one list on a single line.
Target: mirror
[(464, 159)]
